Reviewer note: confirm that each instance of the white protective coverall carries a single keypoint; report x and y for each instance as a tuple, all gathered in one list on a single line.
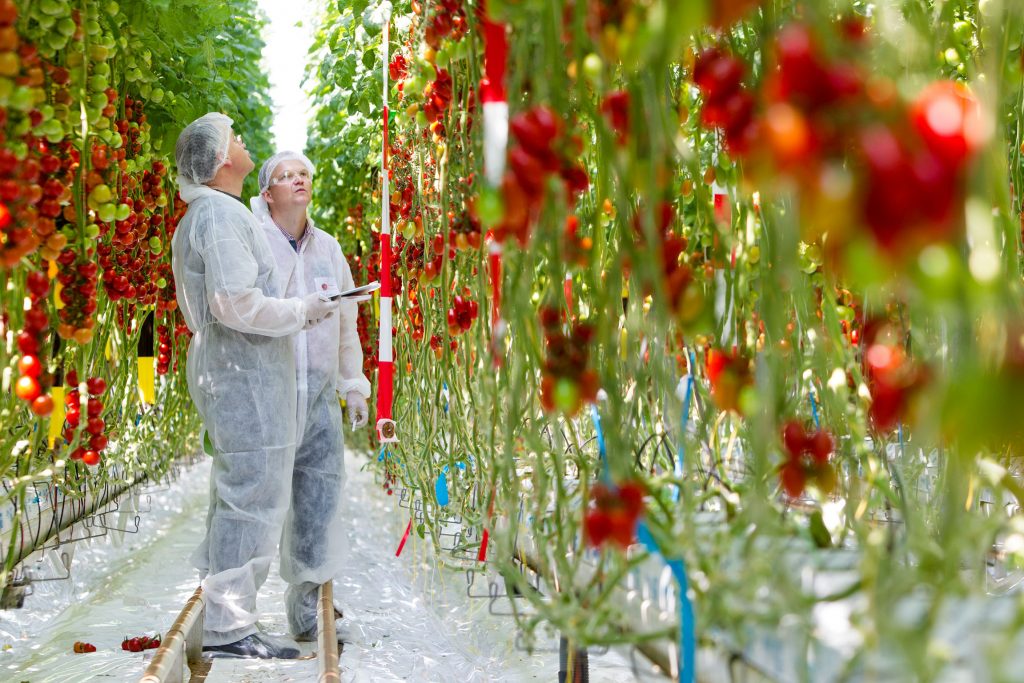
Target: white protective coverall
[(241, 376), (328, 362)]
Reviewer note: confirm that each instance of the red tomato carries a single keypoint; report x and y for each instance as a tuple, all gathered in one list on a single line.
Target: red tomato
[(96, 386), (29, 366), (948, 118), (27, 389), (91, 457), (42, 405)]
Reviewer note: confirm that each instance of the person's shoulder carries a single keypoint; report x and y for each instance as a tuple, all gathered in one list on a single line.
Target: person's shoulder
[(328, 239)]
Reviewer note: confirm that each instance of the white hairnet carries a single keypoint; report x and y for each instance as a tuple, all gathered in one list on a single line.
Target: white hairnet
[(270, 165), (202, 148)]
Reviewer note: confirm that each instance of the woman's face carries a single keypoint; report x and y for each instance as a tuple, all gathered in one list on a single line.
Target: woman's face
[(290, 186)]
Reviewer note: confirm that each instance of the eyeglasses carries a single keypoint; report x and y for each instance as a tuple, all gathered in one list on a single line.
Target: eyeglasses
[(289, 176)]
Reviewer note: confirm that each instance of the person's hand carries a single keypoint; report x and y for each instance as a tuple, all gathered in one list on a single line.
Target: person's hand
[(358, 413), (317, 310)]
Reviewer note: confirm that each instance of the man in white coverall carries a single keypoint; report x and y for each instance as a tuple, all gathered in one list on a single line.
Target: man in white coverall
[(241, 376), (328, 363)]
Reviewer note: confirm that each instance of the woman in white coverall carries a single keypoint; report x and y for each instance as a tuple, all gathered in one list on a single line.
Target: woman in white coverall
[(241, 376), (328, 363)]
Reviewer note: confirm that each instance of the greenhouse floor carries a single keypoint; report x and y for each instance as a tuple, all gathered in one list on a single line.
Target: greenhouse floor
[(415, 618)]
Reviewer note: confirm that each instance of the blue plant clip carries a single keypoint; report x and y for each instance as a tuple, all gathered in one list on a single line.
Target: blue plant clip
[(441, 488), (814, 409), (606, 475), (687, 627)]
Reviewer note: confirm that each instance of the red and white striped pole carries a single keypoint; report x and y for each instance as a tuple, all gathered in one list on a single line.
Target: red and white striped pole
[(495, 106), (385, 366)]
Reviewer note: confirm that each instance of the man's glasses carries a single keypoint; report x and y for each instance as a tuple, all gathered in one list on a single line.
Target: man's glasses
[(289, 176)]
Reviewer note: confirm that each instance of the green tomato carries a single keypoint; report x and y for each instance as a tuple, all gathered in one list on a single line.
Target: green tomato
[(490, 207), (22, 99), (107, 212), (53, 8), (98, 83), (52, 128), (155, 245), (101, 194), (156, 95), (22, 127), (112, 8), (593, 68), (938, 270), (92, 27), (46, 21), (92, 231), (566, 395), (123, 211), (963, 30), (98, 53), (161, 283), (952, 56), (66, 27), (421, 119)]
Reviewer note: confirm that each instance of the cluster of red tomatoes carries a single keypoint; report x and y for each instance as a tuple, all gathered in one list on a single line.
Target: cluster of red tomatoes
[(94, 424), (727, 105), (541, 149), (685, 298), (461, 314), (448, 21), (33, 380), (729, 374), (856, 149), (576, 248), (163, 358), (894, 378), (465, 229), (567, 383), (77, 278), (437, 97), (807, 455), (140, 643), (437, 346), (614, 513), (615, 106)]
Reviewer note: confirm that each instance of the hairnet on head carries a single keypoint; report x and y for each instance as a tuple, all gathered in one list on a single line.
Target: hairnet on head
[(202, 148), (271, 164)]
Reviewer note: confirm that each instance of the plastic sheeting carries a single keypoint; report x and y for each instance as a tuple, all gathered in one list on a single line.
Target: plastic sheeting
[(412, 618)]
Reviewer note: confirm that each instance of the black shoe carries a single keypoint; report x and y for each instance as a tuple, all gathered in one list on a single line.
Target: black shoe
[(256, 645)]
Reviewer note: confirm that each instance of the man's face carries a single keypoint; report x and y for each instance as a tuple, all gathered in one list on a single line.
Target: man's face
[(290, 186), (239, 156)]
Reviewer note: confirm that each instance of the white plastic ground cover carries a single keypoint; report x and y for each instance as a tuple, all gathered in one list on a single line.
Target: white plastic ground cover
[(412, 618), (121, 585)]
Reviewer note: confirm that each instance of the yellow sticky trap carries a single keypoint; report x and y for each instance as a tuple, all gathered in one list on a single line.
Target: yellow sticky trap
[(376, 303), (57, 414), (147, 378), (51, 272), (622, 343)]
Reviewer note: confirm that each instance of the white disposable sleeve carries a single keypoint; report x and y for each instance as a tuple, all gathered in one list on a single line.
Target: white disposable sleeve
[(227, 249), (350, 352)]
